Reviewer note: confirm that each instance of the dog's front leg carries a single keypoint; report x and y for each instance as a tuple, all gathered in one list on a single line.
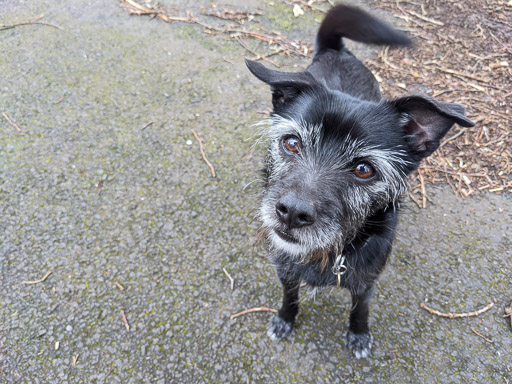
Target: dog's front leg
[(359, 339), (282, 324)]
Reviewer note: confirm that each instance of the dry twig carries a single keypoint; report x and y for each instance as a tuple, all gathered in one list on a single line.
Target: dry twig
[(482, 336), (257, 309), (147, 125), (456, 315), (13, 123), (452, 137), (257, 56), (287, 47), (228, 61), (230, 278), (125, 321), (202, 152), (467, 75), (423, 190), (384, 57), (413, 198), (42, 279), (118, 284), (424, 18), (3, 27)]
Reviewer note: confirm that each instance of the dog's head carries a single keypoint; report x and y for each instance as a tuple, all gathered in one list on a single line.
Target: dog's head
[(334, 160)]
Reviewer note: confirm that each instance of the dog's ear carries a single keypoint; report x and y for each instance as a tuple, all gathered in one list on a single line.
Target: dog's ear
[(285, 86), (425, 121)]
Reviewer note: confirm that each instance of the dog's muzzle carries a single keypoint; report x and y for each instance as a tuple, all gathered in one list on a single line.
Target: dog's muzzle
[(294, 212), (286, 236)]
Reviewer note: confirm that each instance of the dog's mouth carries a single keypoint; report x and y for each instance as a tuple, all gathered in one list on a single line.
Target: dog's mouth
[(286, 236)]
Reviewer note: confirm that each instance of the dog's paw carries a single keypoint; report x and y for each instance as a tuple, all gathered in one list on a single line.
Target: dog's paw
[(279, 329), (359, 344)]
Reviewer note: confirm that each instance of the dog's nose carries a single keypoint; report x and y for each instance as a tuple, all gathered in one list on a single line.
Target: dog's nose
[(294, 212)]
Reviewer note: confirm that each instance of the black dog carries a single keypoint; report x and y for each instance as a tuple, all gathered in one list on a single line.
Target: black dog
[(338, 162)]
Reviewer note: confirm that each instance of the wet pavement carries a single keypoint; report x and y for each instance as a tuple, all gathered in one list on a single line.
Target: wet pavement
[(128, 219)]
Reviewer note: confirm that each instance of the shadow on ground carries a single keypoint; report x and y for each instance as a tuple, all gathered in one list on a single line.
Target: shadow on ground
[(129, 219)]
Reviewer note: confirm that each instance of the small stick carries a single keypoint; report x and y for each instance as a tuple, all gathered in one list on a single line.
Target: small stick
[(59, 101), (445, 91), (9, 26), (455, 173), (287, 47), (12, 123), (457, 315), (75, 359), (459, 185), (119, 285), (414, 199), (257, 57), (42, 279), (230, 278), (264, 57), (125, 321), (423, 190), (482, 336), (227, 61), (452, 72), (477, 87), (453, 137), (450, 183), (310, 4), (3, 27), (202, 152), (258, 309), (99, 186), (138, 6), (147, 125), (424, 18), (384, 56)]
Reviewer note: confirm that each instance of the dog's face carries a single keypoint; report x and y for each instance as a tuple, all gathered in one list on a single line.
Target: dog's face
[(335, 160), (332, 163)]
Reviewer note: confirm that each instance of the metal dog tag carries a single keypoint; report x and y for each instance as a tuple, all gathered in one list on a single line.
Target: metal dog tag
[(339, 268)]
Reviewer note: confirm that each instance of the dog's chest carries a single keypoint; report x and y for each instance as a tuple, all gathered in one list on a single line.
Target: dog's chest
[(317, 275)]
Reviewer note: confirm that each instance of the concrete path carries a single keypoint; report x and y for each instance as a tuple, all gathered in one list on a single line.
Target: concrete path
[(136, 232)]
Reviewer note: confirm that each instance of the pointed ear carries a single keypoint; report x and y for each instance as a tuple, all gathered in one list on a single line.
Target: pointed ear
[(285, 86), (426, 121)]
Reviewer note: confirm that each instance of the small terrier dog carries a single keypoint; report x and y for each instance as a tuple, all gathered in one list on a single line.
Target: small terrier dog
[(337, 164)]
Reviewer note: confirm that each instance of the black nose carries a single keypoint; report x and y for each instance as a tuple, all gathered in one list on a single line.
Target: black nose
[(294, 212)]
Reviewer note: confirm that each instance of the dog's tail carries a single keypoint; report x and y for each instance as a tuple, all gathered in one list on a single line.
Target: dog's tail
[(355, 24)]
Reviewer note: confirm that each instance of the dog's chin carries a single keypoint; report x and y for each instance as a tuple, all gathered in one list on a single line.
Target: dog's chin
[(284, 242)]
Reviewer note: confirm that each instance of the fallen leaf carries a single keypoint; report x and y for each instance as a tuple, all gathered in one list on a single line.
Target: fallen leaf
[(297, 10)]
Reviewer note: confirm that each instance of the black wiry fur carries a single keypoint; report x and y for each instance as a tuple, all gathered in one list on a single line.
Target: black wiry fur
[(315, 203)]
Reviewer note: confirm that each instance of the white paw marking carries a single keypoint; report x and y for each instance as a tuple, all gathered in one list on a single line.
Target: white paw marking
[(360, 344)]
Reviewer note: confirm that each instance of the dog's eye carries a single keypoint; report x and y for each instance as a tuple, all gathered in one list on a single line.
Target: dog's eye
[(291, 144), (364, 171)]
